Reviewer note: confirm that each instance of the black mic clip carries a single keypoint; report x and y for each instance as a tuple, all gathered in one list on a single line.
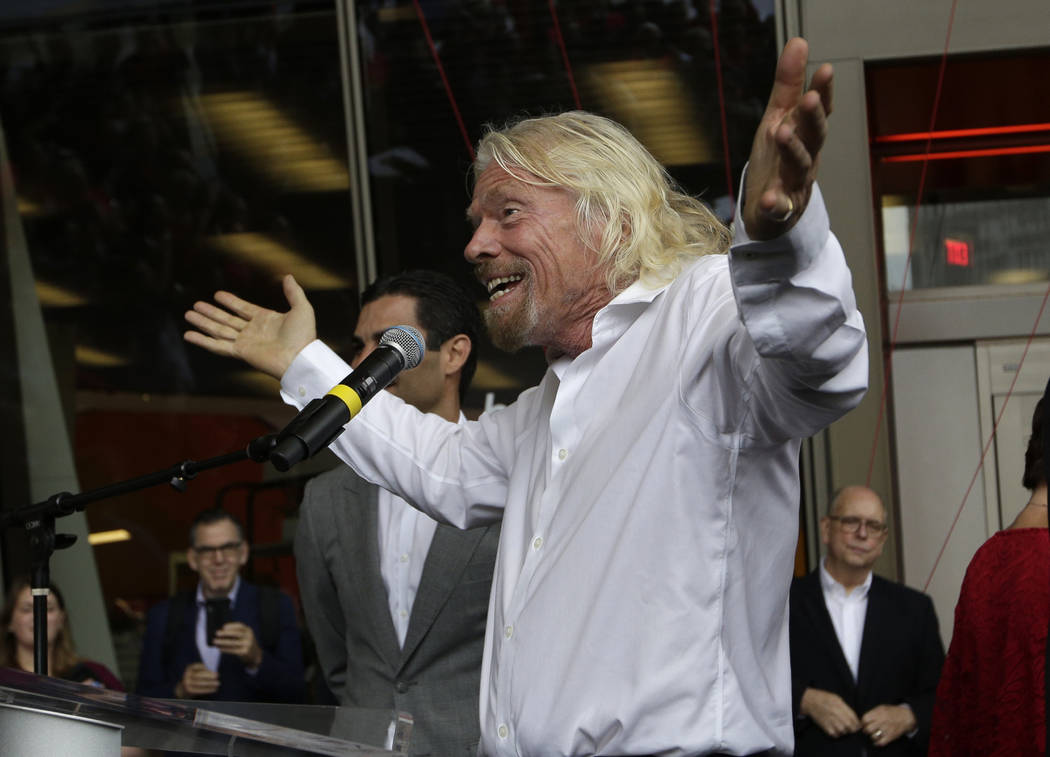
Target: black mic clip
[(319, 423), (314, 428)]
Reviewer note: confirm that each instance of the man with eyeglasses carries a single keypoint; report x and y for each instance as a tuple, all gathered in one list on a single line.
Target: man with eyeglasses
[(229, 640), (866, 654)]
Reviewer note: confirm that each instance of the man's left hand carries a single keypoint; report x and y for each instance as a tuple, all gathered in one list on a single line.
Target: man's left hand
[(239, 640), (263, 338), (887, 723), (783, 163)]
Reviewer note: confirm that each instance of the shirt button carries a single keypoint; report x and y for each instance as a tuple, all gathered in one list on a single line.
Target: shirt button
[(503, 731), (537, 542), (562, 454), (508, 631), (403, 614), (302, 391), (404, 558)]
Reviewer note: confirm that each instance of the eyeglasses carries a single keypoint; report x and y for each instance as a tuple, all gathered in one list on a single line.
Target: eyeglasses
[(228, 550), (851, 524)]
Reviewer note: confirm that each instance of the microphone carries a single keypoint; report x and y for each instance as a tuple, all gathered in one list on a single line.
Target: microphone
[(320, 422)]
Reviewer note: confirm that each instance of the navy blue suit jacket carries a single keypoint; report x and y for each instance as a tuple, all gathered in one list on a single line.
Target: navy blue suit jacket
[(278, 679)]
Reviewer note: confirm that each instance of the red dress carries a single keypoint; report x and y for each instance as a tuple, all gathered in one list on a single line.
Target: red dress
[(990, 701)]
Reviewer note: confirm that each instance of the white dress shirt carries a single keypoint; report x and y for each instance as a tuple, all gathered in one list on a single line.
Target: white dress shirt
[(848, 611), (649, 496), (404, 535)]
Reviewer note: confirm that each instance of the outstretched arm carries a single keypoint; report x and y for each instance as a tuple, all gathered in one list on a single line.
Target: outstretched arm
[(785, 152), (263, 338), (790, 279)]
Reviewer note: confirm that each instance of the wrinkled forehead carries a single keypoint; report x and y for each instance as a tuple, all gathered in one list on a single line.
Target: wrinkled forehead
[(497, 184), (495, 179)]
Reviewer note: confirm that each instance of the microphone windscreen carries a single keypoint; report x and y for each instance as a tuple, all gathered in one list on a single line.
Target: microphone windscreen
[(408, 340)]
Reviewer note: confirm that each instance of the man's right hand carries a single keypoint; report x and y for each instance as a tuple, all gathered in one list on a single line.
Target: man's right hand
[(829, 711), (263, 338), (197, 681)]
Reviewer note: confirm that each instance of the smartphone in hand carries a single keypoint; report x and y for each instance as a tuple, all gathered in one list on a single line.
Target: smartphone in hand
[(217, 612)]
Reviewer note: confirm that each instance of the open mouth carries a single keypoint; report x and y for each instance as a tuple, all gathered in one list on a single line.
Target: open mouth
[(500, 285)]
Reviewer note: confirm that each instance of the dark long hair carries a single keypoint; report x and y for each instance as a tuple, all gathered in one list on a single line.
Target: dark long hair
[(1034, 474)]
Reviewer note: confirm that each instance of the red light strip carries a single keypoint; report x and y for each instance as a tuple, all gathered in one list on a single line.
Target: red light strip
[(444, 79), (564, 54), (958, 133), (722, 104), (912, 157)]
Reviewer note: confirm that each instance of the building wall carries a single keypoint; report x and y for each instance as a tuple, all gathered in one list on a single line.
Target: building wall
[(849, 35)]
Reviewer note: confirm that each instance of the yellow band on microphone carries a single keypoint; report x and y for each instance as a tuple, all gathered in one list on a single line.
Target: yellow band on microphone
[(349, 398)]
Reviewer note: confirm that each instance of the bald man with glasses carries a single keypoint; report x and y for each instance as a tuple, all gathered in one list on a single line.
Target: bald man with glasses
[(866, 653)]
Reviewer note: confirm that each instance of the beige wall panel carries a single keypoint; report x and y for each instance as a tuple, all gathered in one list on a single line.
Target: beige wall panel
[(908, 28)]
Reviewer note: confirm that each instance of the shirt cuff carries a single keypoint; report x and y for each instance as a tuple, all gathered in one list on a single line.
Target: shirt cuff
[(911, 734), (760, 262), (315, 370)]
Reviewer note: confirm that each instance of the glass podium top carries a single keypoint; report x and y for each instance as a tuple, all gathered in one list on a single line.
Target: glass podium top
[(233, 728)]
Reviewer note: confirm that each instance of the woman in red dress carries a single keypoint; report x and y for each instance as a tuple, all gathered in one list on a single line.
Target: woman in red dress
[(991, 698)]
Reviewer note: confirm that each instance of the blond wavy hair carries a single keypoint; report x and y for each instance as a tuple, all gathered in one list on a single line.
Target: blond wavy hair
[(649, 228)]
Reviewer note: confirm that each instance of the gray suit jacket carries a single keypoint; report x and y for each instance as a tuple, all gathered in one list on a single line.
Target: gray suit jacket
[(436, 677)]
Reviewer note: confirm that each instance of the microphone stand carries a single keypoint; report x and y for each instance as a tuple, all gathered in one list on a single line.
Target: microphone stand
[(39, 523)]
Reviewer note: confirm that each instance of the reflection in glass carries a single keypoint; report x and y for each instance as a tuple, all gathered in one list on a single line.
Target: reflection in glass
[(162, 151), (649, 65), (158, 162)]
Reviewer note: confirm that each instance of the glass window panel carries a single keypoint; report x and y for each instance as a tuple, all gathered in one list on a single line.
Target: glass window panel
[(649, 65), (162, 151), (982, 216)]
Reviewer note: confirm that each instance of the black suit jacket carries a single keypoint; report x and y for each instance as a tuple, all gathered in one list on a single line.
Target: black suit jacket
[(900, 662)]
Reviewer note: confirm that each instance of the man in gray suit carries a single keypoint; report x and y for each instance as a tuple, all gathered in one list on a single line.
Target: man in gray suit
[(396, 602)]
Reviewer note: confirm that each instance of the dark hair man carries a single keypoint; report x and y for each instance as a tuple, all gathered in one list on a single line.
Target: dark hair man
[(396, 602)]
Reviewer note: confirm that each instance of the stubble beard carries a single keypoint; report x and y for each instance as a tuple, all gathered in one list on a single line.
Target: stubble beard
[(511, 329)]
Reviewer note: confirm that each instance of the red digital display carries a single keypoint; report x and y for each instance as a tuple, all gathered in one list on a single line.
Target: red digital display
[(957, 252)]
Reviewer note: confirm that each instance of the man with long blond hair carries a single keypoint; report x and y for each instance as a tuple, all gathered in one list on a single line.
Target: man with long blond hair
[(648, 487)]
